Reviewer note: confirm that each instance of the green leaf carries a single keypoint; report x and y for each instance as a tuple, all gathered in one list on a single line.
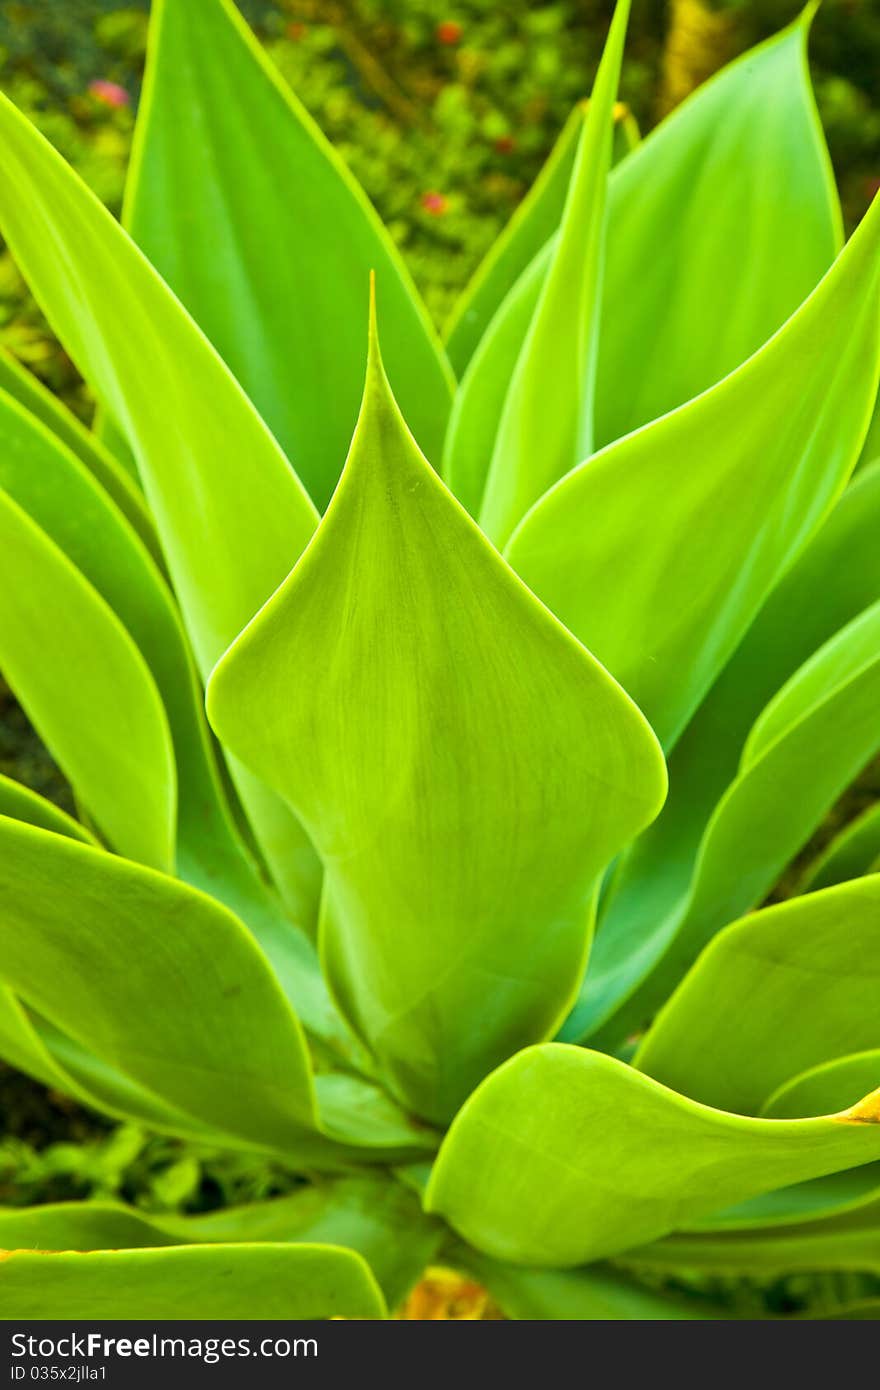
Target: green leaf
[(479, 400), (402, 665), (240, 1281), (653, 879), (724, 218), (39, 401), (258, 226), (231, 514), (201, 1020), (736, 1027), (20, 803), (534, 221), (778, 799), (741, 164), (109, 732), (814, 1200), (847, 1242), (564, 1156), (47, 480), (830, 1085), (734, 484), (372, 1215), (854, 851), (546, 425), (596, 1294)]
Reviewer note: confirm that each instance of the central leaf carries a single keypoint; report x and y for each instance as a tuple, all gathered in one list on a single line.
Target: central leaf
[(465, 767)]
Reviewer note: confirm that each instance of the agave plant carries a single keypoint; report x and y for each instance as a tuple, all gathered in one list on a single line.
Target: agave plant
[(452, 636)]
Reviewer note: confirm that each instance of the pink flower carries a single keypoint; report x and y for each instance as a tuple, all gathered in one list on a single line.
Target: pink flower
[(110, 93), (435, 203)]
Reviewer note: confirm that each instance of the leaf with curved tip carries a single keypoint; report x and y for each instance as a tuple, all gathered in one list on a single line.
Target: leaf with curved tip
[(535, 220), (201, 1020), (251, 1282), (563, 1156), (736, 1027), (20, 803), (231, 514), (831, 1085), (802, 613), (595, 1294), (854, 851), (658, 552), (768, 812), (272, 265), (110, 733), (40, 403), (546, 424), (396, 688), (725, 217), (847, 1242)]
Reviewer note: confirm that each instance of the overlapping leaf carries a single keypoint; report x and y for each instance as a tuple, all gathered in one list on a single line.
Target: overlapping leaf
[(109, 731), (737, 1026), (231, 513), (546, 424), (202, 1022), (396, 688), (725, 218), (260, 229), (564, 1156), (653, 879), (828, 1086), (778, 798), (658, 552), (534, 221)]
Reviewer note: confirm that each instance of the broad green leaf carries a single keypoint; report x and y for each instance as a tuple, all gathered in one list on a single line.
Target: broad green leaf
[(109, 731), (546, 425), (659, 551), (252, 1282), (160, 981), (847, 1242), (830, 1085), (854, 851), (724, 218), (30, 393), (20, 803), (374, 1216), (802, 613), (535, 220), (260, 229), (231, 513), (396, 690), (769, 811), (564, 1156), (596, 1294), (737, 1028)]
